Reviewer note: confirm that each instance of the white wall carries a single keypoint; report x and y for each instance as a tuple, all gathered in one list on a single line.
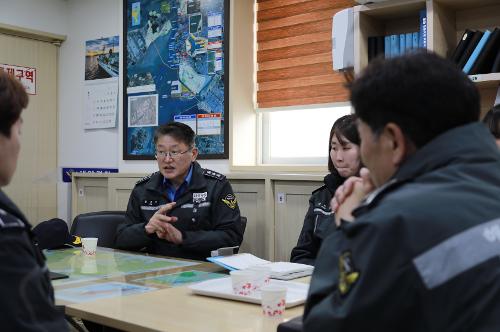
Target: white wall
[(90, 19), (43, 15), (87, 20)]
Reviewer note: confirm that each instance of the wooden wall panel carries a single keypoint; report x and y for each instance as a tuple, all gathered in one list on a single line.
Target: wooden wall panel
[(287, 10), (295, 72), (305, 92), (297, 19), (298, 61), (294, 53), (294, 30), (303, 81)]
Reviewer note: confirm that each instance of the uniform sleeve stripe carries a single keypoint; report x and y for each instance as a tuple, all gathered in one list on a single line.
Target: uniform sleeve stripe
[(326, 213), (459, 253)]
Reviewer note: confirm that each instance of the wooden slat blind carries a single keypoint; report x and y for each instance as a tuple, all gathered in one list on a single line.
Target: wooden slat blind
[(294, 53)]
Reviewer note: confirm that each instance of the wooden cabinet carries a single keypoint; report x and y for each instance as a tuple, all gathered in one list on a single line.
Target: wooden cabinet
[(291, 205), (251, 200), (446, 23)]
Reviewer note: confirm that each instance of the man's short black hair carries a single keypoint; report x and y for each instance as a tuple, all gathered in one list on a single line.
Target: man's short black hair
[(178, 130), (492, 120), (13, 99), (424, 94), (344, 126)]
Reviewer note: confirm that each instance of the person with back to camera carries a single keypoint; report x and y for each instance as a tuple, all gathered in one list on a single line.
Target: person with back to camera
[(492, 121), (183, 210), (27, 297), (422, 252), (343, 162)]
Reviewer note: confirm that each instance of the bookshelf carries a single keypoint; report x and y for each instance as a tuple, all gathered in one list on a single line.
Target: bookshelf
[(446, 22)]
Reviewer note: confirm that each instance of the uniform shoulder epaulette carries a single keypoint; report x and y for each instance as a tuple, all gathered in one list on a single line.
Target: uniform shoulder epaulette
[(319, 189), (146, 178), (9, 221), (213, 174)]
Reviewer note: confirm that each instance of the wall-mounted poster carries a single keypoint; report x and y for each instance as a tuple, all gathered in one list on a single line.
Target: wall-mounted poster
[(176, 69), (101, 83), (102, 58)]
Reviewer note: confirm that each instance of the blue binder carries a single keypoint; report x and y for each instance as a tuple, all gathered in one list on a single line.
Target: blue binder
[(477, 51)]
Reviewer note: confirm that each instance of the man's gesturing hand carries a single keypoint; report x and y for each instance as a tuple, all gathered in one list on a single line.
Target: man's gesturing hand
[(160, 222)]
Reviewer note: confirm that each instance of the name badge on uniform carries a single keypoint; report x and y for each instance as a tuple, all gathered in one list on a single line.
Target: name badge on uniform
[(200, 197), (150, 205)]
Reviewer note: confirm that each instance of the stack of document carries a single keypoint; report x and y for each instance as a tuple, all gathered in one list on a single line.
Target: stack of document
[(279, 270)]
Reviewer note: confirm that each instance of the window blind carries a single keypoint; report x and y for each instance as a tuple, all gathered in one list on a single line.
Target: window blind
[(294, 53)]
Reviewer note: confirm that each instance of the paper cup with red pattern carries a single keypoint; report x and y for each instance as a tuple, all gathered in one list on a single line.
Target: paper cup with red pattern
[(243, 282), (89, 246), (273, 300), (263, 275)]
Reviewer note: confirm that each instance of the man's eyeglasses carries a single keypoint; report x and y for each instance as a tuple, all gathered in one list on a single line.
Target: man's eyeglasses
[(170, 154)]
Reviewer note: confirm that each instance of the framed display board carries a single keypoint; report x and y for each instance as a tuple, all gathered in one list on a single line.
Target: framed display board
[(175, 69)]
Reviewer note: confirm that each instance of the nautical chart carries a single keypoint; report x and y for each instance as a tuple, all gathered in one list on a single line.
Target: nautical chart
[(176, 70), (106, 263)]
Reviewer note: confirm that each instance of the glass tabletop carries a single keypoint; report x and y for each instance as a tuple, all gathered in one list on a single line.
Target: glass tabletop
[(113, 272)]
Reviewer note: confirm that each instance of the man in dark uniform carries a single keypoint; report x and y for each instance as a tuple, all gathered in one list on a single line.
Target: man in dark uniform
[(183, 210), (422, 252), (27, 297)]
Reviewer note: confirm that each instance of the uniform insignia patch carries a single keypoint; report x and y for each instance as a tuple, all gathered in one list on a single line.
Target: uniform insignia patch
[(230, 201), (348, 274)]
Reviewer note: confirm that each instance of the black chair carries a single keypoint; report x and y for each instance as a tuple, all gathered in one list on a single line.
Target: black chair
[(243, 224), (101, 224)]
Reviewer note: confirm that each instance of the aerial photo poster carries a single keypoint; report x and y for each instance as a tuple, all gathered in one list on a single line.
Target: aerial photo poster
[(176, 55)]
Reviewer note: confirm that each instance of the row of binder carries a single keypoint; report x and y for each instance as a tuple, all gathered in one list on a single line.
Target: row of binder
[(393, 45), (478, 52)]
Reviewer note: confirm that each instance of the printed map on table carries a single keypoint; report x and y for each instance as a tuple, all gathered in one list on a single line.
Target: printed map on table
[(105, 263), (100, 291), (175, 70), (180, 279)]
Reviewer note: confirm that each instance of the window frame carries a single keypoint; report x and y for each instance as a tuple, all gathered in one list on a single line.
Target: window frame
[(264, 142)]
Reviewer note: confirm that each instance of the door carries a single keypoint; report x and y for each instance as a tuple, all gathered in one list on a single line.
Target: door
[(34, 186)]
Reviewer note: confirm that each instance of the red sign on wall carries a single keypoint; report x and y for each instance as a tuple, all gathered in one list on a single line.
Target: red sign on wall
[(25, 75)]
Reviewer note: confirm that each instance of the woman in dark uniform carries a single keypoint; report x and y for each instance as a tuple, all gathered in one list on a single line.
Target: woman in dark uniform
[(344, 162)]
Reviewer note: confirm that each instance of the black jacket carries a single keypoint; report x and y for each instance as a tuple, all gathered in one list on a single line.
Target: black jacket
[(27, 297), (208, 216), (318, 219), (423, 253)]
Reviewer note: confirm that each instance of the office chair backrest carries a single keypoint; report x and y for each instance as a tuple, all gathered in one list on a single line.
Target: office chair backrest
[(98, 224), (243, 224)]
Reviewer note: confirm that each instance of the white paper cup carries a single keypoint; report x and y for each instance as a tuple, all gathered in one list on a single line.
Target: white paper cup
[(89, 245), (273, 300), (263, 275), (243, 282)]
